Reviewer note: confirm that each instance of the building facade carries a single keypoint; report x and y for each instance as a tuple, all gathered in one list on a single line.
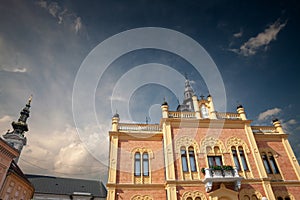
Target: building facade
[(196, 153)]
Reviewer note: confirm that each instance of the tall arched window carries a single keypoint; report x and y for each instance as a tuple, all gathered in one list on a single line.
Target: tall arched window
[(273, 164), (137, 164), (184, 162), (145, 164), (236, 159), (266, 163), (243, 159), (192, 159), (270, 163)]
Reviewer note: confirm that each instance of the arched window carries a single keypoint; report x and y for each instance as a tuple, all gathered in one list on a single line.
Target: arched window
[(192, 159), (273, 164), (184, 162), (279, 198), (287, 198), (137, 164), (236, 159), (189, 198), (214, 161), (243, 159), (270, 163), (266, 163), (145, 164), (198, 198)]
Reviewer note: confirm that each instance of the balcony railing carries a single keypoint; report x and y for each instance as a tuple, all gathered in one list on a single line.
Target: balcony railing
[(221, 175), (263, 129), (174, 114), (139, 127), (221, 115)]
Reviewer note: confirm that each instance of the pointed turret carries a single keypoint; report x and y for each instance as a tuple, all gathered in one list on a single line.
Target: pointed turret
[(16, 137), (187, 104)]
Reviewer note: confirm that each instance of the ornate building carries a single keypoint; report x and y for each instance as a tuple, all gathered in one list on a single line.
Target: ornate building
[(13, 183), (16, 137), (196, 153)]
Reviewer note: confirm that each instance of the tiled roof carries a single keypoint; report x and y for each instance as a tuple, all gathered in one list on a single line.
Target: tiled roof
[(66, 186)]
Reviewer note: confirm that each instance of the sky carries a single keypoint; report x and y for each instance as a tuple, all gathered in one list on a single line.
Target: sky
[(49, 49)]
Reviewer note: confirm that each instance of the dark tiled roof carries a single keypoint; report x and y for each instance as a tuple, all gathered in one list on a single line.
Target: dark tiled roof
[(66, 186)]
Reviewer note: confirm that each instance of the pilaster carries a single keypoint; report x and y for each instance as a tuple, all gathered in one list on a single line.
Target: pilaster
[(196, 107), (168, 151), (171, 192), (212, 112), (255, 152)]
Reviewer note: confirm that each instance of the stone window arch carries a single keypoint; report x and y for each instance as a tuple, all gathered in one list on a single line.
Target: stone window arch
[(250, 194), (141, 158), (193, 195), (269, 158), (141, 197), (239, 150), (188, 150), (211, 145), (283, 195)]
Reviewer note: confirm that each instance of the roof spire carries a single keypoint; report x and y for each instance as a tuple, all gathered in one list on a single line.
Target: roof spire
[(16, 137)]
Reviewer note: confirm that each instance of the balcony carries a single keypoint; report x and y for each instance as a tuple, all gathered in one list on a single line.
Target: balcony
[(214, 175)]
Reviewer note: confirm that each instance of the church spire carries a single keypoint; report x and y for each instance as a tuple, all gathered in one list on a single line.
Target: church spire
[(16, 137), (20, 126), (187, 104)]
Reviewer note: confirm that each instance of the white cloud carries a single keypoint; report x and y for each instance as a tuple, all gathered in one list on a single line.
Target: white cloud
[(53, 8), (261, 40), (13, 69), (292, 122), (268, 113), (5, 123), (61, 153), (288, 125), (5, 119), (42, 3), (238, 35), (77, 24), (62, 14)]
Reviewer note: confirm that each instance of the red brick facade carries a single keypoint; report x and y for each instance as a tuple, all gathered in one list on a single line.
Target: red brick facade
[(268, 168)]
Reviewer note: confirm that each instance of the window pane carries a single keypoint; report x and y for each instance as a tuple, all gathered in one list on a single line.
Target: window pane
[(266, 164), (236, 160), (279, 198), (214, 161), (218, 161), (287, 198), (184, 160), (244, 162), (273, 165), (145, 164), (211, 162), (192, 160), (137, 164)]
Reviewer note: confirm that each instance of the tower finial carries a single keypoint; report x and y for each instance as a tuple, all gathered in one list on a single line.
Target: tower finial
[(30, 99)]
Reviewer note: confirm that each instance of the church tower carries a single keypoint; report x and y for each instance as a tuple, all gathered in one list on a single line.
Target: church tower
[(16, 137), (187, 104)]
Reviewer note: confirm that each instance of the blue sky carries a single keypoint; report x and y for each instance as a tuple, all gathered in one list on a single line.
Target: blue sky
[(44, 43)]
